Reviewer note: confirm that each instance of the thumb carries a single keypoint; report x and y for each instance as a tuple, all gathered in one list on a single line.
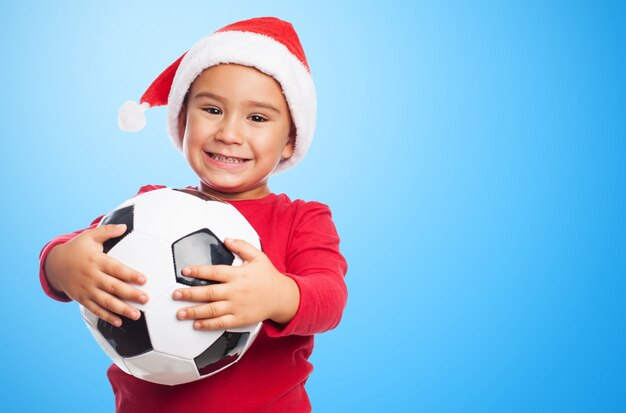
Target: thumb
[(245, 250), (108, 231)]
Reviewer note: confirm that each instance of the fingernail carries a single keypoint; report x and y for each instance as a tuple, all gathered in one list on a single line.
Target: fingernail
[(182, 314), (178, 295), (117, 323), (143, 299), (135, 315), (197, 325), (186, 271), (141, 279)]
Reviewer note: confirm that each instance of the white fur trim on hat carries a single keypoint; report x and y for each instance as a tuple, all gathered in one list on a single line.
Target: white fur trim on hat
[(263, 53)]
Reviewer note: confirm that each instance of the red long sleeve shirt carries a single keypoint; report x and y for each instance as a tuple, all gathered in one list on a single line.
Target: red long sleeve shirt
[(301, 241)]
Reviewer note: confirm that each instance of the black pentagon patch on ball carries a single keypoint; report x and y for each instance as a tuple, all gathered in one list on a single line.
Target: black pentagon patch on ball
[(129, 340), (202, 247), (224, 351), (119, 216)]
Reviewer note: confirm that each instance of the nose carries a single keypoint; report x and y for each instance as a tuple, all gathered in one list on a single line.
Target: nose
[(229, 131)]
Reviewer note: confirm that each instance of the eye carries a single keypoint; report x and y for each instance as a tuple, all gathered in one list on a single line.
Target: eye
[(212, 110), (257, 118)]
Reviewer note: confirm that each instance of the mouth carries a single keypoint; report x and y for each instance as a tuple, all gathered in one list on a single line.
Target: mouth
[(226, 159)]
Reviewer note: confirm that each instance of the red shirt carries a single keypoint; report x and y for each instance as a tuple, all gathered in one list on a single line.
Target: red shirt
[(301, 241)]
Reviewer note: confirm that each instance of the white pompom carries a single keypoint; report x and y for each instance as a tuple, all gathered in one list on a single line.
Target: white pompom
[(130, 117)]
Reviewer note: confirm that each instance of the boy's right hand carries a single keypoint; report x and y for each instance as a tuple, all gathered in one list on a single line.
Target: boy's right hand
[(80, 269)]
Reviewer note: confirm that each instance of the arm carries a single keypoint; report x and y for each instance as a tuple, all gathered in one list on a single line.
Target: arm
[(74, 267), (79, 270), (316, 265), (307, 303)]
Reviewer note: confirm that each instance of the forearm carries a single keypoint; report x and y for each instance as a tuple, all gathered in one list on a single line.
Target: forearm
[(322, 299), (288, 300)]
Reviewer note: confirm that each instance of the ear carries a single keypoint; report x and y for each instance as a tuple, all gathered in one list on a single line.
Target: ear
[(288, 150), (290, 145), (182, 122)]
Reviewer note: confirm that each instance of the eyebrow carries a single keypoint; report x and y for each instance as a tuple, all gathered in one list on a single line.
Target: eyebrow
[(247, 102), (208, 95)]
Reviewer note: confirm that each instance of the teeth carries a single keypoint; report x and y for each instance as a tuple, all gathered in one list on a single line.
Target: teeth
[(225, 159)]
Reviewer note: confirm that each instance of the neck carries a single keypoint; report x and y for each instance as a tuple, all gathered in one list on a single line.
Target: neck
[(254, 193)]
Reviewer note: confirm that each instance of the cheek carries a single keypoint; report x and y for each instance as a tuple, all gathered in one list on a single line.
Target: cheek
[(189, 148), (190, 136)]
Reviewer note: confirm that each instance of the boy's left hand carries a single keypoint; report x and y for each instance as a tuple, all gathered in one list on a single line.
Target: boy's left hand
[(246, 294)]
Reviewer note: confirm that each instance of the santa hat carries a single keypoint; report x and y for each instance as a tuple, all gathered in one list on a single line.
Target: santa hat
[(268, 44)]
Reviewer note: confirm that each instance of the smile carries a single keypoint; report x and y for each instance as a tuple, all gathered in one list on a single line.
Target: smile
[(226, 159)]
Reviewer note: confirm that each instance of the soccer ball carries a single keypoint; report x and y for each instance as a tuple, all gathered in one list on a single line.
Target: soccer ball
[(166, 230)]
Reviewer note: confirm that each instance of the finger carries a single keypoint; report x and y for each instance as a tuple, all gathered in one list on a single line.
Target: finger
[(114, 305), (105, 232), (218, 323), (122, 290), (204, 294), (122, 272), (219, 273), (245, 250), (207, 310), (102, 313)]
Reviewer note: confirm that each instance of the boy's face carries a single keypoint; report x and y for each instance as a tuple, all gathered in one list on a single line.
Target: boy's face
[(235, 127)]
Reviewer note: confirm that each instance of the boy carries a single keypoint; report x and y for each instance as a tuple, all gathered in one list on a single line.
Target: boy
[(241, 106)]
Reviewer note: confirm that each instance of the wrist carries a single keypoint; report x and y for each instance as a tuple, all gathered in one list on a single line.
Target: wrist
[(288, 301)]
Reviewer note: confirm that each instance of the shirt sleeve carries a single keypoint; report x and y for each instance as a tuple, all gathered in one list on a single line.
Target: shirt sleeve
[(61, 239), (318, 268)]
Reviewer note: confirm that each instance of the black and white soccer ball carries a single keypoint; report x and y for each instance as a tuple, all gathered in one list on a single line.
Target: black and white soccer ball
[(166, 230)]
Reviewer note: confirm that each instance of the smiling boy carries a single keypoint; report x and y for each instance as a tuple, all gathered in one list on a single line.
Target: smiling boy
[(241, 107)]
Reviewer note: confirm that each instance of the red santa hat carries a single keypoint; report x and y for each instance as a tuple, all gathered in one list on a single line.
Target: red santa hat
[(268, 44)]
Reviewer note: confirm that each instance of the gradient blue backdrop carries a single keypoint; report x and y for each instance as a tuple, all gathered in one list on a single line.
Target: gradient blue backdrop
[(472, 152)]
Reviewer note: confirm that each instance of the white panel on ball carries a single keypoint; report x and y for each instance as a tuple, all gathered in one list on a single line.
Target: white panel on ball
[(162, 368), (150, 256), (168, 214), (170, 335), (231, 224)]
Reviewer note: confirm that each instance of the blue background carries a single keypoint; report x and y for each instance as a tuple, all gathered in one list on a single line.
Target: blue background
[(472, 153)]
